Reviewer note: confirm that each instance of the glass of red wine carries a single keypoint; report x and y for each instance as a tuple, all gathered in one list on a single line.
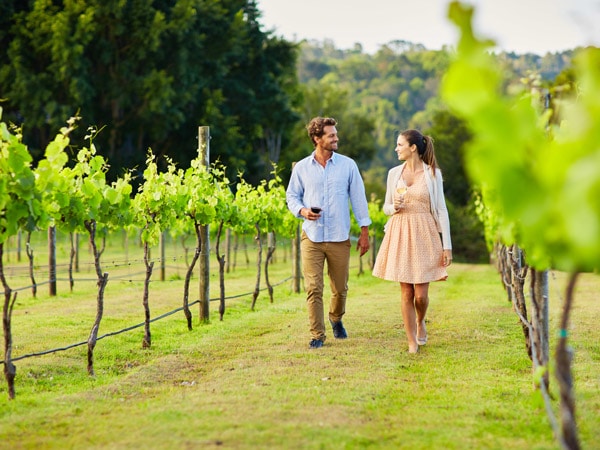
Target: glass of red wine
[(317, 210)]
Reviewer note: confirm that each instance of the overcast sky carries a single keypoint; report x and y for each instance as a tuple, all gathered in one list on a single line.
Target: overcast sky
[(536, 26)]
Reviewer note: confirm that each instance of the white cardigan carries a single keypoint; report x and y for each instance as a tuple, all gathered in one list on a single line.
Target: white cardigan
[(435, 187)]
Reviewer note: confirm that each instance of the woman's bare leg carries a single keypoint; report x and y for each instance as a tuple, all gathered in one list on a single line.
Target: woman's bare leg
[(421, 305), (409, 315)]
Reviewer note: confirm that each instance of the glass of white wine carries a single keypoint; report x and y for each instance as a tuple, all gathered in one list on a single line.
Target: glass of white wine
[(401, 190)]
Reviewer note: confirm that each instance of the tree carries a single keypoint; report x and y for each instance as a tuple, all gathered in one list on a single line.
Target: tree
[(262, 95), (356, 129), (149, 73)]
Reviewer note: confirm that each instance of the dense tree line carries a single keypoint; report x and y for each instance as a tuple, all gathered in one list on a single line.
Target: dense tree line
[(148, 74)]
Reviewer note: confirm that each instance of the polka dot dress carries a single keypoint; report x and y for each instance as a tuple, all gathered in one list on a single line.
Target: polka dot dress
[(411, 250)]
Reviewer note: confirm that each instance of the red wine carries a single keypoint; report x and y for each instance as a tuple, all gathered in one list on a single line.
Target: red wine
[(315, 209)]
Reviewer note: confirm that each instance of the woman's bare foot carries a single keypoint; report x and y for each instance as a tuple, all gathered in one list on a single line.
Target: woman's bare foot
[(413, 348)]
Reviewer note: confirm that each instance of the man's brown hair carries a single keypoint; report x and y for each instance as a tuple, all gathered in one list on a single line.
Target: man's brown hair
[(316, 125)]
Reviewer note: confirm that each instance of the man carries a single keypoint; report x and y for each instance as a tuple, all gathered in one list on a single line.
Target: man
[(319, 190)]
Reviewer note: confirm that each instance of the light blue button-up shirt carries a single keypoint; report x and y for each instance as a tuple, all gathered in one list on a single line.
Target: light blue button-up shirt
[(331, 188)]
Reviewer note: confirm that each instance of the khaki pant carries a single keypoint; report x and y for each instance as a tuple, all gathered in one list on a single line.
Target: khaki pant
[(314, 255)]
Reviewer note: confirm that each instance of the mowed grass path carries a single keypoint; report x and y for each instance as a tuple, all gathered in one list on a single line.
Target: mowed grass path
[(251, 382)]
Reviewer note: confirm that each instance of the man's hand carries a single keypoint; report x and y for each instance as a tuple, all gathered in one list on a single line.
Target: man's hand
[(363, 241), (309, 215)]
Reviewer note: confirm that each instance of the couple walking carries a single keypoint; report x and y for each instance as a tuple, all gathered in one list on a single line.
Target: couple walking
[(320, 190)]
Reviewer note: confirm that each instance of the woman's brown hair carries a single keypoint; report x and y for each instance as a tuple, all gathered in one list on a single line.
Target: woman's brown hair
[(424, 145)]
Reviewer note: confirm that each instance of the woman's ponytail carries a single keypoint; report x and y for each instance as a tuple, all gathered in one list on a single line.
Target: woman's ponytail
[(428, 156)]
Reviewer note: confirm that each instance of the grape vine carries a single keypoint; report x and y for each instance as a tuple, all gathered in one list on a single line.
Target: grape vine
[(538, 182)]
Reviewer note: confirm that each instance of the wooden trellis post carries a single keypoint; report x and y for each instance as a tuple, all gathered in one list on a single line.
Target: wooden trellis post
[(204, 266)]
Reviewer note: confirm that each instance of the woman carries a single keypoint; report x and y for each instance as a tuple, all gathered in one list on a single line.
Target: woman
[(412, 252)]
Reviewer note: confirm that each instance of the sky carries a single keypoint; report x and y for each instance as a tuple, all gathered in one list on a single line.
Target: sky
[(522, 26)]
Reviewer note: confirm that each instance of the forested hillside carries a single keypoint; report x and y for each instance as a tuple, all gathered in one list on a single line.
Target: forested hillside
[(397, 87)]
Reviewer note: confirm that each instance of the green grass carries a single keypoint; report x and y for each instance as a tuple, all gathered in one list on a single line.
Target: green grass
[(250, 382)]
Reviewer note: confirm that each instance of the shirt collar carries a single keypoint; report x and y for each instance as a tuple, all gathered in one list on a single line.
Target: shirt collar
[(333, 158)]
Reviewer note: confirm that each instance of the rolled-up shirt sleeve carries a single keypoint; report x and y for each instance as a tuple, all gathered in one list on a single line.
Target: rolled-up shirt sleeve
[(358, 198), (294, 195)]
